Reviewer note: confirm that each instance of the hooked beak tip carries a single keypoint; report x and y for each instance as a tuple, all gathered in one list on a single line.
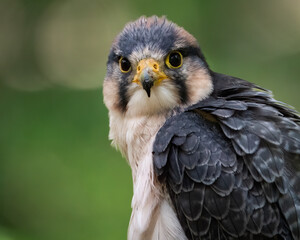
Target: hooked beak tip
[(147, 85), (147, 82), (148, 91)]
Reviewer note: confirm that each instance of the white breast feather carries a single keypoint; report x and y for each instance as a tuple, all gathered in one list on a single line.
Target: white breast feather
[(152, 216)]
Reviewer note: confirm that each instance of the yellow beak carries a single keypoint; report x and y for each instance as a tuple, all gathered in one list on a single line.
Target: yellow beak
[(148, 74)]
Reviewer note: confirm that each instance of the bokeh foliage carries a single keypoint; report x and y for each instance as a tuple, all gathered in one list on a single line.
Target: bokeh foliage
[(59, 176)]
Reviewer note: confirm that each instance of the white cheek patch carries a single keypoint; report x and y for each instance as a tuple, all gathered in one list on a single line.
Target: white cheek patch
[(199, 85), (110, 94), (163, 97)]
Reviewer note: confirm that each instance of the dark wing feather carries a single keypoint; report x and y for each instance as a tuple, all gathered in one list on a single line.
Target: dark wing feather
[(234, 177)]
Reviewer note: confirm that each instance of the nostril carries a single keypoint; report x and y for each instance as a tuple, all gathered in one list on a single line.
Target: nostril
[(155, 66), (139, 68)]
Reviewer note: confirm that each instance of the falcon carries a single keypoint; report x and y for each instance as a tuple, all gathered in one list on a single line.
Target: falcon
[(212, 156)]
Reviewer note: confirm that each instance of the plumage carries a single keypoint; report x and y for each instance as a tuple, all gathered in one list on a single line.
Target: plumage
[(212, 156)]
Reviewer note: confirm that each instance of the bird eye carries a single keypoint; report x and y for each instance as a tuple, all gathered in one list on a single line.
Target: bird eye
[(124, 64), (174, 59)]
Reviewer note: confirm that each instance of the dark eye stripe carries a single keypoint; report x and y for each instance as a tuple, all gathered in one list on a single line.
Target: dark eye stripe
[(189, 51), (123, 87), (193, 51)]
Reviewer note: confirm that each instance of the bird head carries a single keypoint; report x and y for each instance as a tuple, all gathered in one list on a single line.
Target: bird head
[(154, 66)]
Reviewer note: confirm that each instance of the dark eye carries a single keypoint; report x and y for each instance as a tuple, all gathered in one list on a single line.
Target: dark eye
[(174, 59), (124, 64)]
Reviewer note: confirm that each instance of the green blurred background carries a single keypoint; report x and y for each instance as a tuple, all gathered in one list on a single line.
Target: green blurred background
[(59, 177)]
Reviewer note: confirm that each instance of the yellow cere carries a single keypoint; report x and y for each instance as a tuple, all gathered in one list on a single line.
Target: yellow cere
[(152, 66)]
